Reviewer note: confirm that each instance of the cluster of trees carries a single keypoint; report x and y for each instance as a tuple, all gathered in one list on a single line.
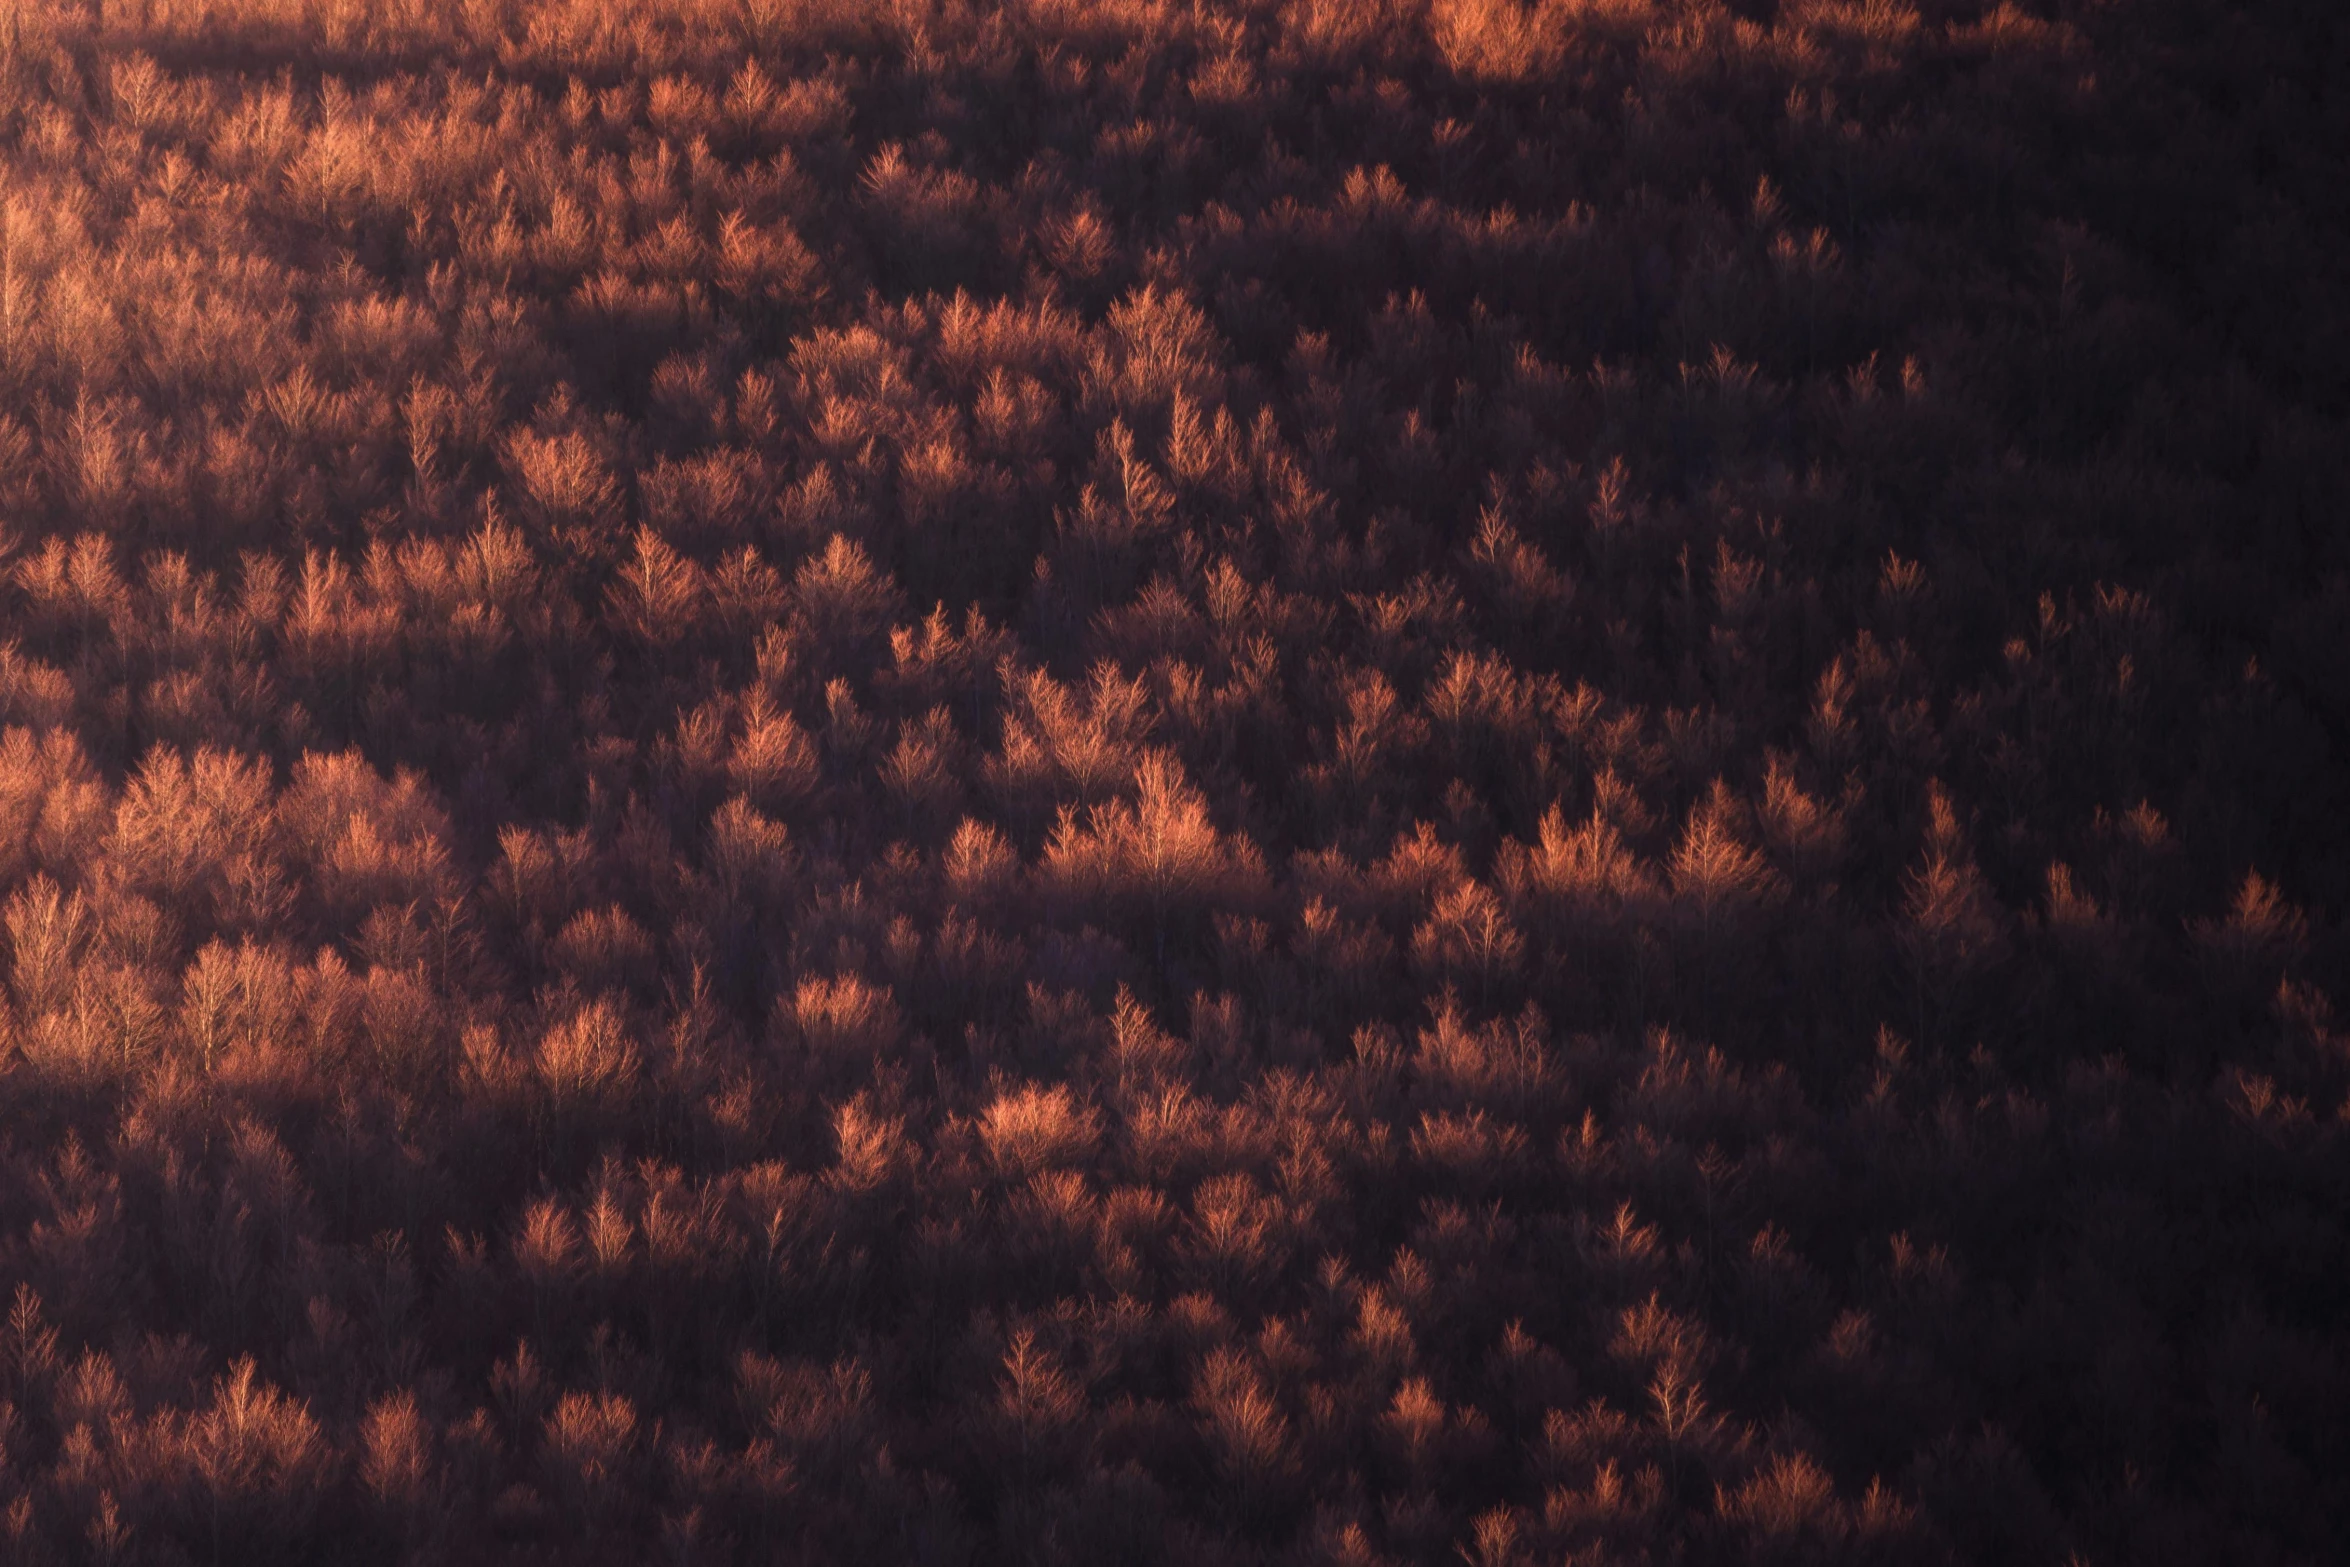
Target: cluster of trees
[(1251, 781)]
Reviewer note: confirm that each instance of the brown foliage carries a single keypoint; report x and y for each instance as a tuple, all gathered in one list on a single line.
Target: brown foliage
[(645, 645)]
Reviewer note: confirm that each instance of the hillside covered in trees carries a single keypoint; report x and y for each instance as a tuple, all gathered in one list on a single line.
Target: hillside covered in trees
[(1236, 782)]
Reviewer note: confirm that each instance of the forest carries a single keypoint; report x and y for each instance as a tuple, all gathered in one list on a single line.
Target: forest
[(1264, 783)]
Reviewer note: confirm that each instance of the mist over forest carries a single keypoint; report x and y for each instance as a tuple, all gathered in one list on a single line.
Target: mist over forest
[(1267, 783)]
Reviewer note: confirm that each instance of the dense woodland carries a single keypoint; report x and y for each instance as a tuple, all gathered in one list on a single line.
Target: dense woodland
[(1174, 781)]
